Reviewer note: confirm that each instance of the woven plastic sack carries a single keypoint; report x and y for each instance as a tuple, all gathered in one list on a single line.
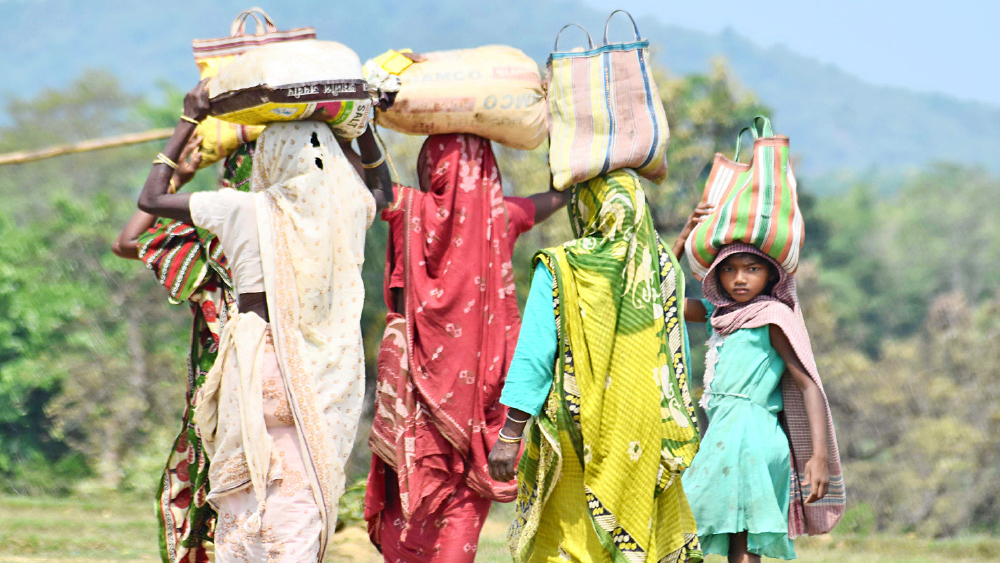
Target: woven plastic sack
[(605, 111), (756, 203), (294, 81), (494, 92), (220, 138)]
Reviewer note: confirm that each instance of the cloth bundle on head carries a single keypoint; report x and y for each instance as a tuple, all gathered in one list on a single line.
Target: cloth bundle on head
[(621, 383), (461, 327), (781, 308)]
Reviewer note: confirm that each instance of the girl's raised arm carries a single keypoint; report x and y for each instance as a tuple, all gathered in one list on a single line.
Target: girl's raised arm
[(697, 216), (817, 471)]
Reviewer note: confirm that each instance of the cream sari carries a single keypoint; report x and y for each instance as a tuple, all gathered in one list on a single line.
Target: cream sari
[(312, 213)]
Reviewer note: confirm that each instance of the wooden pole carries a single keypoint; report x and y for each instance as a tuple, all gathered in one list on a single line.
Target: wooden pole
[(22, 157)]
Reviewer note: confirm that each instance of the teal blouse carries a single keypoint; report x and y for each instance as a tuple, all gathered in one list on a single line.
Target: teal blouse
[(529, 378)]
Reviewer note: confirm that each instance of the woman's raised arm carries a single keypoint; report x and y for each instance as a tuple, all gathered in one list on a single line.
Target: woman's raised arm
[(156, 197)]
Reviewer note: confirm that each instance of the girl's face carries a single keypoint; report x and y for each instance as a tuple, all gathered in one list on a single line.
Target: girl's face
[(745, 276)]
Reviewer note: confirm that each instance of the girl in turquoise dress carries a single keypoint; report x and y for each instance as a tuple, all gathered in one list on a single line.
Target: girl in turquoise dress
[(740, 483)]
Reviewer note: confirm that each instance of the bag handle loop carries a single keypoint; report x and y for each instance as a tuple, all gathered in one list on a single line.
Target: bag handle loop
[(764, 125), (739, 140), (607, 24), (590, 39), (263, 26)]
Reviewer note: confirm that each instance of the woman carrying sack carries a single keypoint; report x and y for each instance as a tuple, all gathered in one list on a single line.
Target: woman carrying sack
[(451, 329), (602, 366), (278, 411), (190, 264)]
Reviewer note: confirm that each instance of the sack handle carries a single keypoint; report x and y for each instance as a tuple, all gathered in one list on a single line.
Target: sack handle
[(590, 39), (607, 24), (765, 131), (239, 24)]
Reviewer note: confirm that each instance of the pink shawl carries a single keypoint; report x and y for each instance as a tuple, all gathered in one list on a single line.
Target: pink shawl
[(781, 308)]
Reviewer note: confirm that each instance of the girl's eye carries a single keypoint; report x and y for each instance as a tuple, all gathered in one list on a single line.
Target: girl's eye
[(754, 268)]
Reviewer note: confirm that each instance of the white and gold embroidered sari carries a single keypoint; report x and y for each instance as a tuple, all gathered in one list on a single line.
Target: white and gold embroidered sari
[(312, 213)]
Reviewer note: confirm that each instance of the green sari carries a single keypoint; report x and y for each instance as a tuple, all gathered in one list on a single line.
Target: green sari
[(189, 263), (620, 409)]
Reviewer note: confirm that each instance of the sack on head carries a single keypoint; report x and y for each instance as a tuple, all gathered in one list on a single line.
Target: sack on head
[(756, 203), (605, 111), (294, 81), (494, 92), (220, 138)]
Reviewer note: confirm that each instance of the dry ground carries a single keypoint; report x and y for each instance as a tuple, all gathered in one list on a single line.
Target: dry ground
[(39, 530)]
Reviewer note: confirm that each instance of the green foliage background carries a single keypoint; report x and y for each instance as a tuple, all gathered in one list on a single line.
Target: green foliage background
[(901, 295)]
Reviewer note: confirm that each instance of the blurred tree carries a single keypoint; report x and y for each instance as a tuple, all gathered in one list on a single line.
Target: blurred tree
[(91, 360)]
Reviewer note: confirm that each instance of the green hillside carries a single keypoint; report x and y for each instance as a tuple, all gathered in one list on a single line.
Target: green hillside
[(836, 121)]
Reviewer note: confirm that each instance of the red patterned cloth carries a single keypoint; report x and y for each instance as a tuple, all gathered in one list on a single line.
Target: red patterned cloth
[(444, 360), (781, 308)]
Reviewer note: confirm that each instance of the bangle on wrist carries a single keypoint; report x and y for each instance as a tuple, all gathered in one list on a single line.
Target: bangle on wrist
[(509, 439), (376, 164), (519, 421), (163, 159), (189, 119), (172, 186)]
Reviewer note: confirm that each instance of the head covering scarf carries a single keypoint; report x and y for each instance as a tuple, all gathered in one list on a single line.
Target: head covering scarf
[(461, 326), (621, 381), (312, 213), (781, 308)]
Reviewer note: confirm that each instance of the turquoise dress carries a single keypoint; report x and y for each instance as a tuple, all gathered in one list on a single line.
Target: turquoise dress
[(741, 478)]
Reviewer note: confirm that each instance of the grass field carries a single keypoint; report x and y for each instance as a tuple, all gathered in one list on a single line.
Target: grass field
[(90, 531)]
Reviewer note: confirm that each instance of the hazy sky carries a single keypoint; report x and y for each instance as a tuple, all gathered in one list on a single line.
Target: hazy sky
[(951, 47)]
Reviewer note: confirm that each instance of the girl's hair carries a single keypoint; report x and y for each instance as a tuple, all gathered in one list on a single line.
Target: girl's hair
[(772, 273)]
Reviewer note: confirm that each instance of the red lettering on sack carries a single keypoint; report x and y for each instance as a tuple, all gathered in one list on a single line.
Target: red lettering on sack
[(437, 105)]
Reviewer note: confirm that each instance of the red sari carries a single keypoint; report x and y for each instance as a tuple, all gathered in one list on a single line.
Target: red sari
[(445, 356)]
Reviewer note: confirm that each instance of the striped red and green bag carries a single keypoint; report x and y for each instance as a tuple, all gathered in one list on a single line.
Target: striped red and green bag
[(605, 112), (756, 203)]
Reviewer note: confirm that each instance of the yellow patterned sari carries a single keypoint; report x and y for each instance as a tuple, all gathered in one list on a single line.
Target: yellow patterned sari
[(599, 478)]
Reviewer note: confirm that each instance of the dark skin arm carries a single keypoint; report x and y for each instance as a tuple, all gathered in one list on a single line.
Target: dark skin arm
[(503, 457), (378, 179), (817, 471), (547, 203), (694, 309), (697, 216), (155, 198), (127, 244)]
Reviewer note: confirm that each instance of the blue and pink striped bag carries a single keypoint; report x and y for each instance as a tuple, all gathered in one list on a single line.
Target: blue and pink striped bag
[(605, 111)]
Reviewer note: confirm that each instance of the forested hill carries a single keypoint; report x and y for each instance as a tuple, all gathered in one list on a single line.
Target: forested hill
[(836, 121)]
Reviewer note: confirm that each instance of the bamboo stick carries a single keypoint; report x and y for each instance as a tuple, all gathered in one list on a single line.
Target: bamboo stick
[(22, 157)]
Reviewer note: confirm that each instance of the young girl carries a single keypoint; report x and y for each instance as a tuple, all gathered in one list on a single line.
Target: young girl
[(746, 500)]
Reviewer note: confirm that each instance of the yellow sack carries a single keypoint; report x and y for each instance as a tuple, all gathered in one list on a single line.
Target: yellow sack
[(494, 92), (314, 80), (220, 138)]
